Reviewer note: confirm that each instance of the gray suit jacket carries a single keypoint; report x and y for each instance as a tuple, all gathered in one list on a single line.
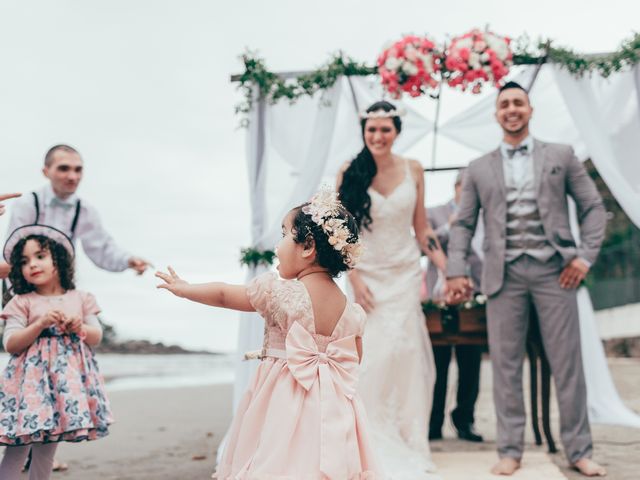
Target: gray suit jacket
[(558, 173), (439, 220)]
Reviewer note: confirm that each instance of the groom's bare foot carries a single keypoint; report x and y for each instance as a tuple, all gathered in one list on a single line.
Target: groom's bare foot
[(506, 466), (589, 468)]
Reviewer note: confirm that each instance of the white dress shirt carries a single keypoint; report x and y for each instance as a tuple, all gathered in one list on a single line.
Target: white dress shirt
[(59, 213)]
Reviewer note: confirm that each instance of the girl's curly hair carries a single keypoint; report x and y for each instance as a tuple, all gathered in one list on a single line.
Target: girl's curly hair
[(304, 229), (62, 261)]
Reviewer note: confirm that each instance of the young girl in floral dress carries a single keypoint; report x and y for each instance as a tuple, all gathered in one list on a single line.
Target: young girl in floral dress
[(301, 417), (51, 390)]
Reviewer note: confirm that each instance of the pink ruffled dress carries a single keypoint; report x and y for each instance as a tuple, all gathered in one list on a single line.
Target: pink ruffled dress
[(301, 418)]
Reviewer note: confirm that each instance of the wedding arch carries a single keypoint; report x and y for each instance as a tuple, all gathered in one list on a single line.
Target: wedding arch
[(301, 126)]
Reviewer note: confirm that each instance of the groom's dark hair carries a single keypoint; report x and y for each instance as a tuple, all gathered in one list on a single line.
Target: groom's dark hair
[(509, 85)]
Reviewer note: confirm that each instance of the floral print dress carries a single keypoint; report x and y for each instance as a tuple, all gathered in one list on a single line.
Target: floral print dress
[(53, 390)]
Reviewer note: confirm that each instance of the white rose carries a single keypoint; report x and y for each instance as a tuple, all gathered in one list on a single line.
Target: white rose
[(427, 61), (474, 61), (409, 68), (392, 63), (465, 43)]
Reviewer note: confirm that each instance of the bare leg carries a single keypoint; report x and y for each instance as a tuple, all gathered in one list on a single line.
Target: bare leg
[(506, 466), (589, 468), (12, 462)]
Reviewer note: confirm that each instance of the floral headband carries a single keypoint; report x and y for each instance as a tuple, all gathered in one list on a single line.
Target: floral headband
[(382, 114), (324, 209)]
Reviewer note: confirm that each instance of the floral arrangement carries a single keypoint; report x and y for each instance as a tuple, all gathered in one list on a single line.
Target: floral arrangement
[(410, 65), (274, 88), (324, 209), (477, 57)]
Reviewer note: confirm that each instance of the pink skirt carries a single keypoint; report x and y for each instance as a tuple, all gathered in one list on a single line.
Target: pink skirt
[(276, 433)]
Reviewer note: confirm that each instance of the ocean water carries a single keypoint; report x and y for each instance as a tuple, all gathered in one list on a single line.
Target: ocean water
[(132, 372)]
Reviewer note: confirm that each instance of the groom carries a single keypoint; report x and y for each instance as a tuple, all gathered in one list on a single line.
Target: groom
[(530, 256)]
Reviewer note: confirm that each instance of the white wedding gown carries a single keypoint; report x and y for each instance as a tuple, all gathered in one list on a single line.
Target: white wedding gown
[(398, 370)]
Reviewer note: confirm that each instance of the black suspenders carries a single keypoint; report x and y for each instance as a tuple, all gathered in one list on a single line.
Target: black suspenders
[(37, 204), (74, 223)]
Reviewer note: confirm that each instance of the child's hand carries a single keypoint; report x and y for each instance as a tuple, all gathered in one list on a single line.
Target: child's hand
[(51, 318), (72, 324), (173, 282)]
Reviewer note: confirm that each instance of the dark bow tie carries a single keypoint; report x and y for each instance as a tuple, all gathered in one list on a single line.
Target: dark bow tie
[(523, 149)]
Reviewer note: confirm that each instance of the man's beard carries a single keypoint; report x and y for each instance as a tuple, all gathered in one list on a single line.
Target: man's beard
[(517, 131)]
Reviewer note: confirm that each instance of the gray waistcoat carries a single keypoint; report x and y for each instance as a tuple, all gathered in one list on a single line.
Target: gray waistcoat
[(525, 233)]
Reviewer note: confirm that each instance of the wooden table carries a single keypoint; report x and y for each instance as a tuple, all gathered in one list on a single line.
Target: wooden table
[(453, 326)]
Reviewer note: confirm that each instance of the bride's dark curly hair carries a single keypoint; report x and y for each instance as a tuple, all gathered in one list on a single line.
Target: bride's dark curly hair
[(358, 177)]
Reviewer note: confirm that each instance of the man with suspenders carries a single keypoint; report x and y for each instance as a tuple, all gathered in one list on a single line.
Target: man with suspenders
[(57, 205)]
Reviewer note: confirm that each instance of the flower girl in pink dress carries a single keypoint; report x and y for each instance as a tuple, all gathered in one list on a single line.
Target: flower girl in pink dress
[(51, 390), (301, 418)]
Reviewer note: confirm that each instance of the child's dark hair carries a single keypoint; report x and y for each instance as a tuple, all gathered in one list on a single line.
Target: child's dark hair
[(62, 261), (304, 229)]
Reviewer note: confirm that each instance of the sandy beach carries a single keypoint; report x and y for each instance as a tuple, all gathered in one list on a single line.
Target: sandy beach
[(160, 434), (173, 433)]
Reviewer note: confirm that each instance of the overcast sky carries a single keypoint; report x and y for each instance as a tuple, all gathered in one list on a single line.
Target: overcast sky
[(142, 89)]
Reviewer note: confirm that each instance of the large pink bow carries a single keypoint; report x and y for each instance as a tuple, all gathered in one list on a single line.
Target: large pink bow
[(336, 372)]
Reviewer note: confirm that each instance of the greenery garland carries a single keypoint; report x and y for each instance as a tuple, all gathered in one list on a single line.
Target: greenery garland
[(253, 257), (577, 64), (274, 88)]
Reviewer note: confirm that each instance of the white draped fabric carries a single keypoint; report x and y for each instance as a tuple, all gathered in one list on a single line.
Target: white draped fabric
[(293, 147), (606, 114)]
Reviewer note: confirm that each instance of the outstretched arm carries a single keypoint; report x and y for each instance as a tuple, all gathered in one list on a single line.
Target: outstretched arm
[(6, 196), (216, 294)]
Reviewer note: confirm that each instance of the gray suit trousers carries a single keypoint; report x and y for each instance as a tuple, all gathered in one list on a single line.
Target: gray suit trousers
[(528, 280)]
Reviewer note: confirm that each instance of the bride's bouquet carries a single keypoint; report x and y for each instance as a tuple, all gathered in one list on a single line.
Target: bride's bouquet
[(478, 57), (410, 66)]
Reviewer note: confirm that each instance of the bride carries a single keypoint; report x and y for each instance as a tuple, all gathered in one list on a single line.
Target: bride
[(385, 194)]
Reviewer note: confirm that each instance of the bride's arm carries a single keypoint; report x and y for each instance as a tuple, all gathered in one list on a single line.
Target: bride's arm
[(425, 235)]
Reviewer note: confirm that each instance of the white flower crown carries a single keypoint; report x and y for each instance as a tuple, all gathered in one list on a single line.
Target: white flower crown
[(324, 209), (399, 112)]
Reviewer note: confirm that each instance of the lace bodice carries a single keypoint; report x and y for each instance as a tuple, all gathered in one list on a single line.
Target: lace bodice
[(391, 228), (283, 302)]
